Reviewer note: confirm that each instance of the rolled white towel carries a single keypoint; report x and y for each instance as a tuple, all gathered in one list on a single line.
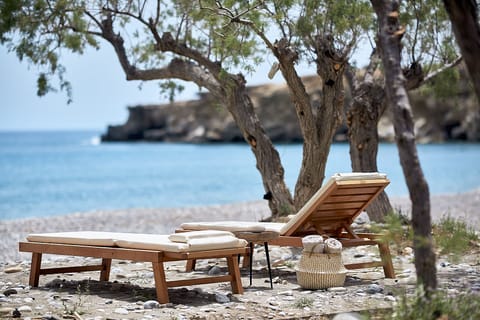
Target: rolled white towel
[(333, 246), (313, 243), (185, 237)]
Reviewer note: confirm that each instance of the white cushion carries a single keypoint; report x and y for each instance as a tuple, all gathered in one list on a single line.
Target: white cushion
[(138, 241), (162, 243), (232, 226), (89, 238), (185, 237), (359, 176)]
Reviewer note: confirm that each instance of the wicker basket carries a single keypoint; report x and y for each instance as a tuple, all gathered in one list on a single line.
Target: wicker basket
[(319, 271)]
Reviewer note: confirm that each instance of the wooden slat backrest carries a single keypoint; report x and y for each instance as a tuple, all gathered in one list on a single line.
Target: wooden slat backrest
[(339, 205)]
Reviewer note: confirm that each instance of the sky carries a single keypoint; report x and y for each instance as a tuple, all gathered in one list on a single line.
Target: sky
[(101, 94)]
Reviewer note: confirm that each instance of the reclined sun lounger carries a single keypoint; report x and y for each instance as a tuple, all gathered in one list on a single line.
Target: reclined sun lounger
[(156, 249), (330, 211)]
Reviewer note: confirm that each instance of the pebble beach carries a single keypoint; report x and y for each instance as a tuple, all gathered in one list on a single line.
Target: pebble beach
[(129, 293)]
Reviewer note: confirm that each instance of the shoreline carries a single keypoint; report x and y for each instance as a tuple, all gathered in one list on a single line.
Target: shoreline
[(164, 220)]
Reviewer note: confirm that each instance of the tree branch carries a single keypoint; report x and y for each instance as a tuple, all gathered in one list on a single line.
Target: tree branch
[(431, 76)]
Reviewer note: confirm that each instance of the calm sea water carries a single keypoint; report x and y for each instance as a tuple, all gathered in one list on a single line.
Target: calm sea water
[(51, 173)]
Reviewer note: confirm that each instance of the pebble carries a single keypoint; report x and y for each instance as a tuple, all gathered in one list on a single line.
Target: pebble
[(13, 269), (221, 298), (347, 316), (10, 291), (5, 310), (337, 289), (17, 314), (28, 300), (286, 293), (25, 309), (273, 301), (120, 311), (151, 304), (215, 270), (374, 288)]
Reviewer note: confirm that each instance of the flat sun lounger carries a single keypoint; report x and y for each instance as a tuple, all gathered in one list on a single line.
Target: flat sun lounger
[(330, 211), (156, 249)]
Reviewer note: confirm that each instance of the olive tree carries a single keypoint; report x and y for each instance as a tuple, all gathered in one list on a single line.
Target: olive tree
[(390, 33), (324, 33), (428, 52)]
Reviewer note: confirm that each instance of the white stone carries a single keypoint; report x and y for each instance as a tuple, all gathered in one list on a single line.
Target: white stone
[(151, 304), (221, 298), (25, 309), (120, 311), (286, 293), (347, 316)]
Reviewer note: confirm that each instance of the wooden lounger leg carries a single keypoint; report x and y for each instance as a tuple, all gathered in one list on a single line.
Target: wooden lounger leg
[(246, 261), (105, 273), (160, 282), (35, 269), (386, 260), (234, 271), (190, 265)]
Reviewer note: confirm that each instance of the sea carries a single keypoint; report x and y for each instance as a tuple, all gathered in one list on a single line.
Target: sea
[(49, 173)]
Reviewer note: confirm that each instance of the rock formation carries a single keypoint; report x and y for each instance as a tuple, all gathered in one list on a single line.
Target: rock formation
[(437, 119)]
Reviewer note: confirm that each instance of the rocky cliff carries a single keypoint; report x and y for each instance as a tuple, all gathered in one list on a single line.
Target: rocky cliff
[(437, 119)]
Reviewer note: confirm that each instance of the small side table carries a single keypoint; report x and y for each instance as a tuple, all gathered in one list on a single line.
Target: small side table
[(258, 237)]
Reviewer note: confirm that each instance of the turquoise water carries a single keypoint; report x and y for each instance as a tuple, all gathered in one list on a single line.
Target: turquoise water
[(51, 173)]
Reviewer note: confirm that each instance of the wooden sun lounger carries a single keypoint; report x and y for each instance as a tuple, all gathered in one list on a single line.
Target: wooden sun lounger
[(330, 212), (157, 258)]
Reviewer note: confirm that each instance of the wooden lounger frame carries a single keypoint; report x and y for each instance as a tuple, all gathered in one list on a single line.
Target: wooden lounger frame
[(157, 258), (332, 213)]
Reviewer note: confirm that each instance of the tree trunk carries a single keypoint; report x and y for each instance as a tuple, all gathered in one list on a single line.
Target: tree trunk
[(464, 17), (324, 120), (389, 36), (318, 125), (368, 105), (269, 164), (225, 87)]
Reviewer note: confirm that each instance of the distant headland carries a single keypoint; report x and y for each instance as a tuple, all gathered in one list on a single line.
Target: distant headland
[(437, 119)]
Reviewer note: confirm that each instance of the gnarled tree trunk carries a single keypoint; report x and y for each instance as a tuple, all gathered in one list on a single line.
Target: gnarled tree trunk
[(225, 87), (318, 124), (389, 36), (240, 106), (368, 105), (464, 17)]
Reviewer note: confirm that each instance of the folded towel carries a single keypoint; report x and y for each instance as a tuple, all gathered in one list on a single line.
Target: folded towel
[(225, 226), (160, 242), (313, 243), (185, 237), (333, 246)]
